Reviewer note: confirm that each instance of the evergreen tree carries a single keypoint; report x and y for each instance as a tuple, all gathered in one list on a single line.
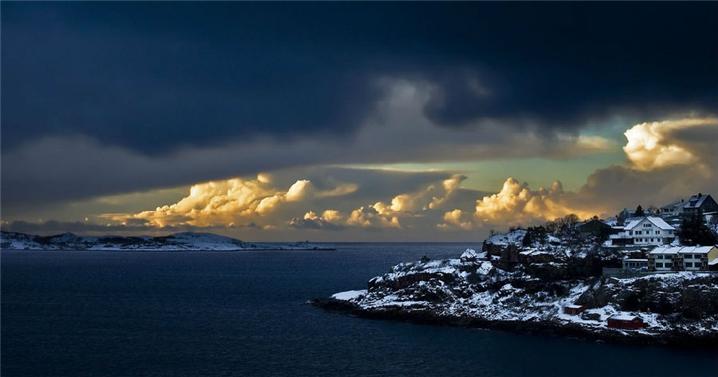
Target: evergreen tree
[(695, 232), (639, 211), (535, 234)]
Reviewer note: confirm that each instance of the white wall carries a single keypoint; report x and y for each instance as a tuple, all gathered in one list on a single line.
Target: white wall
[(645, 233)]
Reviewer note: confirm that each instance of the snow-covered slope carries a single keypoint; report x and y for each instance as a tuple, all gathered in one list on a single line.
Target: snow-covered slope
[(503, 239), (474, 290), (186, 241)]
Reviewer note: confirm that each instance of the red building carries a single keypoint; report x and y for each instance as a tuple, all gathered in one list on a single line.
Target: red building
[(625, 322), (573, 309)]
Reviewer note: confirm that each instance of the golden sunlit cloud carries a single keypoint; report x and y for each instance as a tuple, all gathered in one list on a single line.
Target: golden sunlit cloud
[(226, 202), (368, 217), (431, 197), (456, 219), (653, 145), (386, 215), (516, 203), (406, 204)]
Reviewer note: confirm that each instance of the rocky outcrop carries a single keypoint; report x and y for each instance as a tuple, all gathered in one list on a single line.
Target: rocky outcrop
[(474, 290)]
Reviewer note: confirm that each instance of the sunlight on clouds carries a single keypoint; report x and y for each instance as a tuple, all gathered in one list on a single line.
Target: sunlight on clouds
[(382, 214), (653, 145), (330, 216), (225, 202), (409, 204), (516, 203), (458, 219), (587, 143), (369, 217), (428, 198)]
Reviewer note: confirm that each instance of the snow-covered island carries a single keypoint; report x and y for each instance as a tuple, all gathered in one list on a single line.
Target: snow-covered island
[(557, 282), (186, 241)]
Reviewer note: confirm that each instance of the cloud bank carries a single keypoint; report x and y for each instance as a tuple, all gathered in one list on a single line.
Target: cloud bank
[(656, 145), (230, 202)]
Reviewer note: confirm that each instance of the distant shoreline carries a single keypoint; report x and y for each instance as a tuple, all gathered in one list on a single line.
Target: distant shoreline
[(185, 241)]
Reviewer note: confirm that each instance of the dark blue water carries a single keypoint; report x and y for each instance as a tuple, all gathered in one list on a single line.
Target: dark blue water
[(244, 314)]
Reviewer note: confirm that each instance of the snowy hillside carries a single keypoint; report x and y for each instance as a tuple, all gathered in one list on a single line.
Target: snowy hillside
[(503, 239), (474, 291), (186, 241)]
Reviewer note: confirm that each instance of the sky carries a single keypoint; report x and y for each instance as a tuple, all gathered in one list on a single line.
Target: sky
[(351, 121)]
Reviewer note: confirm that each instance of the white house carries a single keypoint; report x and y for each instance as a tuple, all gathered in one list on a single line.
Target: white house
[(644, 231), (682, 258)]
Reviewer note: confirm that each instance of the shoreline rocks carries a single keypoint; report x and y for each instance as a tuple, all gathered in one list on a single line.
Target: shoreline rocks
[(474, 291)]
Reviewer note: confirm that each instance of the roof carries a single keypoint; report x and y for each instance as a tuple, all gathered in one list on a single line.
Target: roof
[(657, 221), (665, 250), (623, 317), (696, 201), (674, 205), (682, 250)]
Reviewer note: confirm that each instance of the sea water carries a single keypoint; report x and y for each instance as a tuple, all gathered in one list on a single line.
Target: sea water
[(245, 314)]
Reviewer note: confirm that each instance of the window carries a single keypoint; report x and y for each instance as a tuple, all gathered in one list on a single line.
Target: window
[(668, 265), (658, 232), (659, 265), (638, 232), (646, 225), (689, 265)]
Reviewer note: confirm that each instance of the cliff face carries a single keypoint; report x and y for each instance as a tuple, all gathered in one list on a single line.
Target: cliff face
[(473, 290)]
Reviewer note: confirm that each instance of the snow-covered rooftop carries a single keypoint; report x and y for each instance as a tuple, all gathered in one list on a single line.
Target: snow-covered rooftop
[(682, 250), (624, 317), (674, 204), (696, 201), (657, 221)]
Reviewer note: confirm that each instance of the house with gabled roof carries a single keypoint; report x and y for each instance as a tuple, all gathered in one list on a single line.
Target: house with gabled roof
[(700, 202), (644, 231)]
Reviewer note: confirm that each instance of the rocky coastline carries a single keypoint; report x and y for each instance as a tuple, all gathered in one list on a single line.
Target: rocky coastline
[(676, 309)]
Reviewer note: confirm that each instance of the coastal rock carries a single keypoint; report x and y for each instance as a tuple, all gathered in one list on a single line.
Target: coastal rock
[(672, 307)]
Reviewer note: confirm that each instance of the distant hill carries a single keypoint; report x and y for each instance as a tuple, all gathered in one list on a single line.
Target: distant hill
[(186, 241)]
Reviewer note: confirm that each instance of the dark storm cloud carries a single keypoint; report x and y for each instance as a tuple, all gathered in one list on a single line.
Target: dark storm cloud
[(154, 77)]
